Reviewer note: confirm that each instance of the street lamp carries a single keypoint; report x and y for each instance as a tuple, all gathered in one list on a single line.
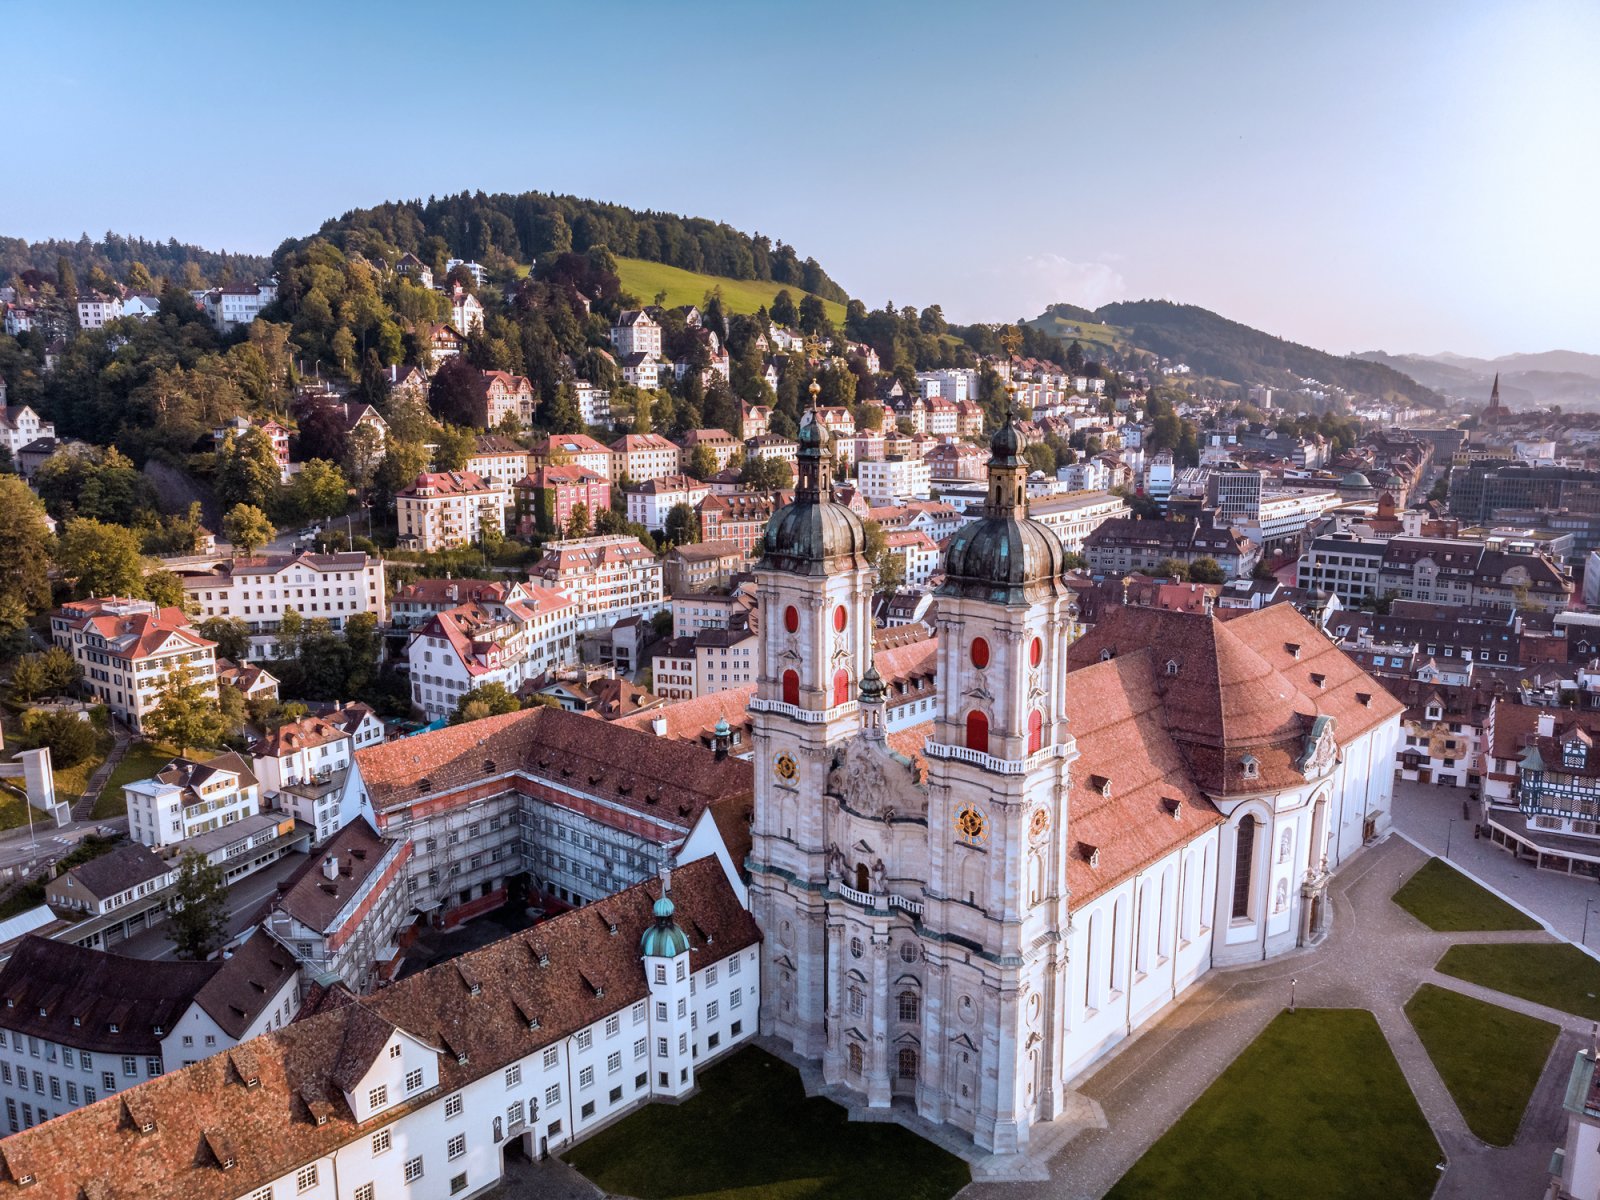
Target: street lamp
[(1292, 982), (1588, 907), (1449, 828)]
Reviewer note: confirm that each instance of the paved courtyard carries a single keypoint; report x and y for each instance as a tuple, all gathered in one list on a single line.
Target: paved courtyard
[(1374, 959)]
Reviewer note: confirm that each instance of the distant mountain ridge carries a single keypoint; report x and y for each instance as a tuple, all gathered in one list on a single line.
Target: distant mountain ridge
[(1212, 345), (1568, 378)]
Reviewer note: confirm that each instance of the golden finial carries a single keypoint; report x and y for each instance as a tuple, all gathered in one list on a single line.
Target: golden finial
[(815, 389), (1010, 340)]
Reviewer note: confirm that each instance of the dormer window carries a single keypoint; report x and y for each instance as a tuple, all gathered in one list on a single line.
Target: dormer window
[(1249, 767), (1172, 667), (1574, 754)]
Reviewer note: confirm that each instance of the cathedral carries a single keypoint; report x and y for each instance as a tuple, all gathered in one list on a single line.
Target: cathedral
[(967, 915)]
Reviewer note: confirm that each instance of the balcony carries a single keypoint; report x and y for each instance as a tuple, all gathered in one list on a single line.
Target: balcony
[(805, 715), (876, 903), (991, 762)]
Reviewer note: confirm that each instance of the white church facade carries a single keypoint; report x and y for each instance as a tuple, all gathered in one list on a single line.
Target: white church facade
[(969, 914)]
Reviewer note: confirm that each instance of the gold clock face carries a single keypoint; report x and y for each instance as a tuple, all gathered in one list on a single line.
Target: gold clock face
[(785, 768), (1039, 824), (972, 826)]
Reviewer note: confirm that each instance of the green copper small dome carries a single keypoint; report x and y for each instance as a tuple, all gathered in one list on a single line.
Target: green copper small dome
[(722, 731), (664, 939), (873, 689), (1005, 448), (1356, 480)]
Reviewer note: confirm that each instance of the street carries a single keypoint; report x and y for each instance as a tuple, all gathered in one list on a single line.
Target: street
[(244, 898)]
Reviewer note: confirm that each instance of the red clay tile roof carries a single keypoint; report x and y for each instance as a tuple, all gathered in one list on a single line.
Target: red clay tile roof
[(312, 898), (271, 1128)]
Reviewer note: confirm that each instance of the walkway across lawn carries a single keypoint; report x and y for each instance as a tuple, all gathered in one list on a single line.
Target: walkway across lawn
[(1444, 899), (1315, 1106), (1488, 1056), (751, 1133), (1555, 974)]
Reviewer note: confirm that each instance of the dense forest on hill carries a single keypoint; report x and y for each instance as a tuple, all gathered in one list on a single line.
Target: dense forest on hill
[(1215, 346), (529, 226), (114, 254)]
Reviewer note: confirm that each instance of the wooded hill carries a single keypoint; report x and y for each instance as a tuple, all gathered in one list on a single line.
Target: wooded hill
[(114, 254)]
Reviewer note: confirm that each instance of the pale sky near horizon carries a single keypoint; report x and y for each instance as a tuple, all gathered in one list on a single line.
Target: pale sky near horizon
[(1414, 177)]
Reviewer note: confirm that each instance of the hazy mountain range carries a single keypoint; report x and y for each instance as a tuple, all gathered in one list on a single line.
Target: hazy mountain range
[(1565, 377)]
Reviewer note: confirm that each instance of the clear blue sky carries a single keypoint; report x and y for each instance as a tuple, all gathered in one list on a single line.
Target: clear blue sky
[(1412, 176)]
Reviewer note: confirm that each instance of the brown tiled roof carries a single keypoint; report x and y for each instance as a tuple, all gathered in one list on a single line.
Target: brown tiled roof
[(125, 867), (247, 981), (71, 995), (272, 1128), (315, 900), (662, 778)]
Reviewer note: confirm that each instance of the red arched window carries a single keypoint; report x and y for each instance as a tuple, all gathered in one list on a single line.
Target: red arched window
[(791, 618), (977, 732), (1035, 731), (840, 618), (791, 687), (841, 684), (1036, 651), (980, 653)]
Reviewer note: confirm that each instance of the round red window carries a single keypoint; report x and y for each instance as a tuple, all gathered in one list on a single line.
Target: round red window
[(980, 653), (1036, 652), (840, 618), (791, 618)]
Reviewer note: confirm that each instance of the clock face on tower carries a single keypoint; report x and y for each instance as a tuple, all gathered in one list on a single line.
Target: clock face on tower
[(785, 768), (1039, 823), (972, 825)]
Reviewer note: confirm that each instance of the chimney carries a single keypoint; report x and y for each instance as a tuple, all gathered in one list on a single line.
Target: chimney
[(666, 880), (1547, 724), (330, 867), (658, 726)]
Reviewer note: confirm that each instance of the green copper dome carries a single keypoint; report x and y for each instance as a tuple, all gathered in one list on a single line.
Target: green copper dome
[(1356, 480), (664, 939)]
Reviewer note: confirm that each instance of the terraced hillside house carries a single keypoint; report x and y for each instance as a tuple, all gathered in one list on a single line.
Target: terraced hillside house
[(449, 509), (80, 1026), (609, 578), (583, 806), (259, 590), (129, 648), (428, 1086)]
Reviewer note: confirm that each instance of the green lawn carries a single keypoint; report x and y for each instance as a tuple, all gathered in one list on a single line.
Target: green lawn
[(1315, 1106), (1442, 898), (751, 1134), (1489, 1057), (645, 279), (142, 760), (1551, 973)]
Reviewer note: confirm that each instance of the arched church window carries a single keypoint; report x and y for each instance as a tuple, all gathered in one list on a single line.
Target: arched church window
[(1035, 731), (980, 653), (1036, 652), (907, 1060), (1243, 866), (858, 1002), (977, 732), (791, 687), (910, 1006), (791, 618), (841, 618), (841, 686)]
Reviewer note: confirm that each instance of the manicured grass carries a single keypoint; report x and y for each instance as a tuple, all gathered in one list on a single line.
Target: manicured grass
[(1489, 1057), (1555, 974), (644, 279), (69, 781), (751, 1134), (1442, 898), (1315, 1106), (142, 760)]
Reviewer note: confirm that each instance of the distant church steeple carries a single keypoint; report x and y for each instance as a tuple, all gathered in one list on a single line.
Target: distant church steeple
[(1493, 414)]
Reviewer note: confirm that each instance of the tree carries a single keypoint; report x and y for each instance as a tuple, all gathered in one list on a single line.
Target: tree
[(364, 645), (103, 560), (456, 445), (1040, 458), (363, 454), (703, 462), (319, 490), (578, 523), (766, 474), (25, 548), (456, 394), (1207, 570), (783, 309), (485, 700), (681, 525), (1171, 568), (247, 470), (197, 910), (246, 527), (164, 588), (186, 712), (70, 739), (891, 567), (231, 635), (49, 673)]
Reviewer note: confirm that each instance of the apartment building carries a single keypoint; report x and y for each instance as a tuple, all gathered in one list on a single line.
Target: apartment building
[(740, 517), (641, 456), (301, 766), (577, 449), (20, 426), (1076, 515), (113, 881), (128, 649), (608, 578), (726, 658), (187, 798), (894, 479), (1344, 564), (1120, 545), (532, 1041), (722, 444), (95, 309), (227, 308), (498, 460), (546, 500), (700, 566), (650, 502), (448, 509), (636, 332), (918, 555), (79, 1025), (499, 395), (259, 590)]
